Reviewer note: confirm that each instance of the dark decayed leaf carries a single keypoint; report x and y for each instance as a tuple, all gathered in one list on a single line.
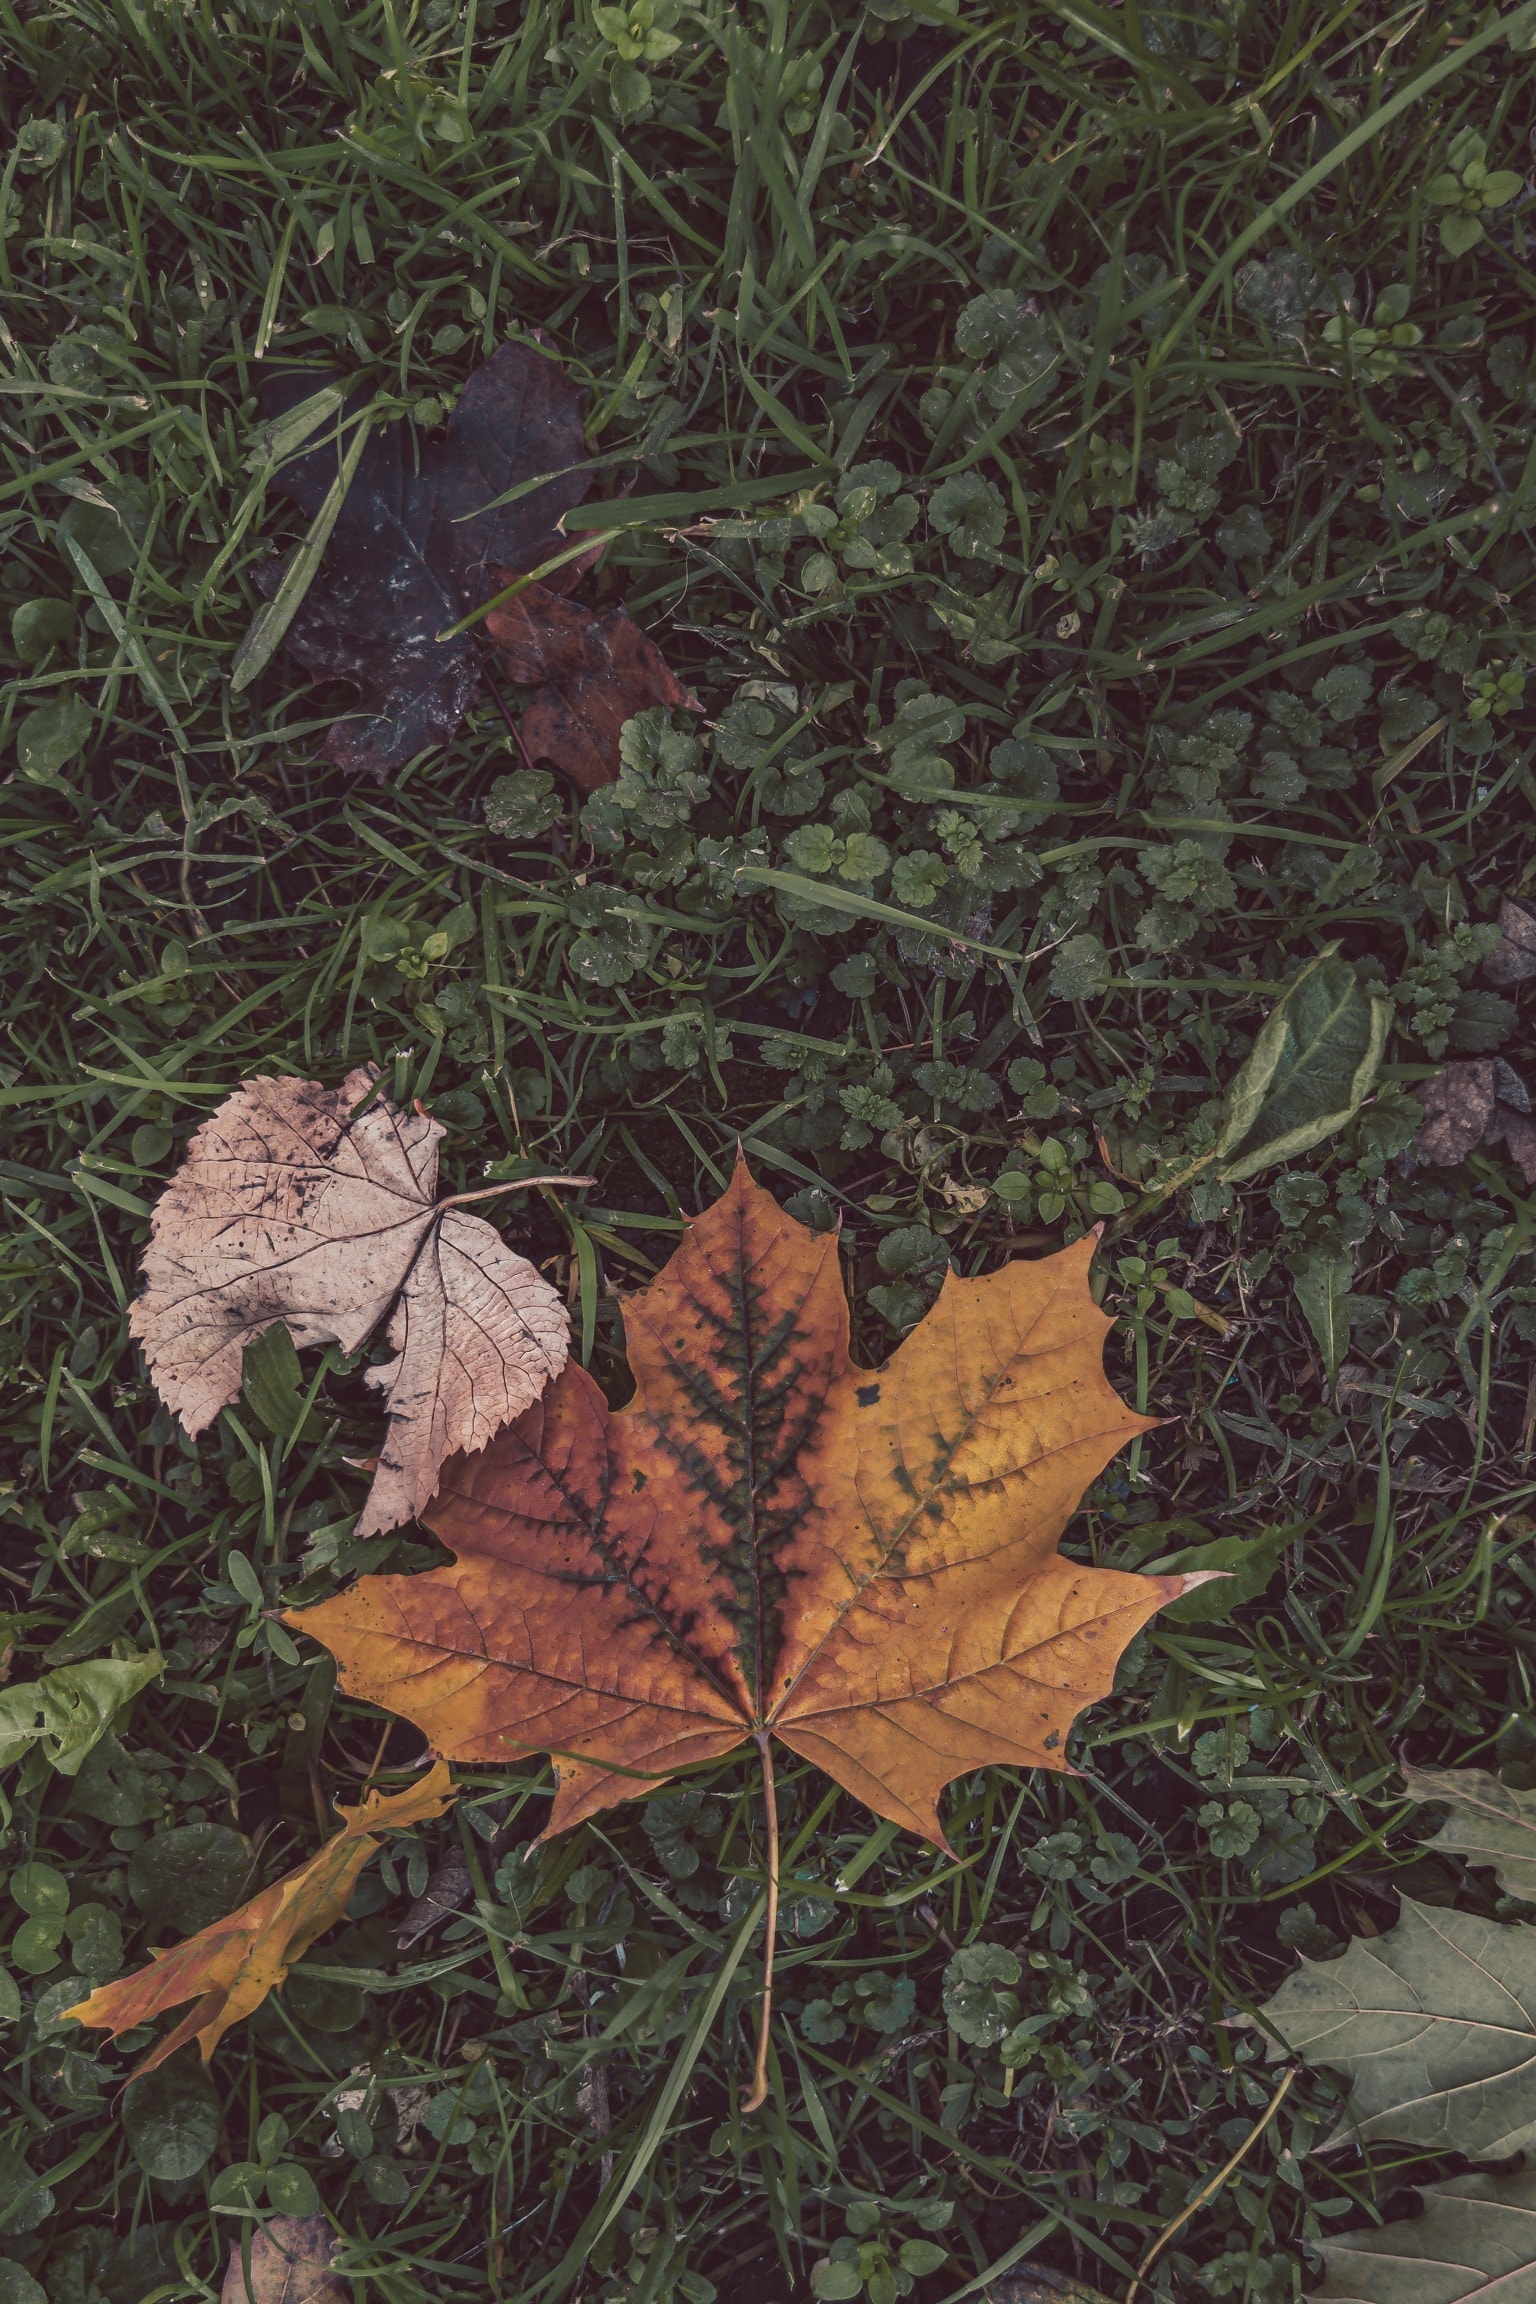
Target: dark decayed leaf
[(595, 672), (1481, 1101), (1513, 959), (414, 548)]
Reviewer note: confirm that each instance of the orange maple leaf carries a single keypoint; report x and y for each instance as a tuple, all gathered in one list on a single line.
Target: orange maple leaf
[(769, 1541), (228, 1968)]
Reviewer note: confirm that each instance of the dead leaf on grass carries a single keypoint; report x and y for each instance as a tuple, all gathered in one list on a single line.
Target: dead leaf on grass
[(1513, 959), (770, 1541), (1481, 1100), (290, 2263), (422, 539), (595, 671), (293, 1206), (227, 1969)]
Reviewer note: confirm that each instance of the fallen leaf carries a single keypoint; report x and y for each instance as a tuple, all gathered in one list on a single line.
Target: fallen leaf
[(1489, 1823), (1310, 1069), (69, 1711), (1482, 1100), (596, 672), (1475, 2239), (290, 2263), (293, 1206), (227, 1969), (1432, 2024), (1513, 958), (421, 539), (1039, 2284), (768, 1540)]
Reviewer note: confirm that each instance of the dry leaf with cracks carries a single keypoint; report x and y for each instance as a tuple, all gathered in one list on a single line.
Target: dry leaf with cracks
[(227, 1969), (294, 1205), (1479, 1101), (1513, 958), (288, 2260), (769, 1542)]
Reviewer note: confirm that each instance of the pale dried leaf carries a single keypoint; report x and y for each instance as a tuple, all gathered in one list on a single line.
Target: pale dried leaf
[(478, 1335), (292, 1206), (290, 2263)]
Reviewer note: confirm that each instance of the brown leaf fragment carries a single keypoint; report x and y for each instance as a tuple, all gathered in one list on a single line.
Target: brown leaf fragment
[(595, 671), (446, 1893), (1458, 1105), (1513, 959), (294, 1206), (227, 1969), (1482, 1100), (290, 2263), (768, 1540)]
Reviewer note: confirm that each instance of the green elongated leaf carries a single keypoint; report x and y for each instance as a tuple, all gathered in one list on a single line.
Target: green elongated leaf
[(268, 625), (1488, 1824), (1309, 1070), (1433, 2024), (1321, 1283), (272, 1384), (70, 1710), (1476, 2238), (1239, 1567)]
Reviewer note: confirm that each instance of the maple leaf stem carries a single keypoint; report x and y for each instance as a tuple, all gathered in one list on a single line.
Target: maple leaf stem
[(765, 2018), (513, 1184)]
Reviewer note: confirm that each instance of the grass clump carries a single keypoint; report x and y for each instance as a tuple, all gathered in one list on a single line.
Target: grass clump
[(1078, 458)]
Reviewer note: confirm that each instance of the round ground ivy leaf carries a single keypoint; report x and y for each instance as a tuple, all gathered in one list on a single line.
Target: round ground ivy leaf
[(186, 1877), (321, 2004), (971, 513), (40, 625), (49, 739), (171, 2119), (291, 2191)]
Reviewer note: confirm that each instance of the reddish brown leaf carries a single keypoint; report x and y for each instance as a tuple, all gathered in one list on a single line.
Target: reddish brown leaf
[(227, 1969), (769, 1540), (595, 671)]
